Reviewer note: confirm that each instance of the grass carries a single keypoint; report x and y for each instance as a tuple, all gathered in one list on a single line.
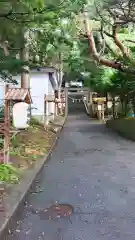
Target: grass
[(35, 122), (32, 143), (26, 147), (130, 118), (9, 173)]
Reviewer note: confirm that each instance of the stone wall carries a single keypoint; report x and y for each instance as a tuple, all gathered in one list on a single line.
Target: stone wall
[(125, 127)]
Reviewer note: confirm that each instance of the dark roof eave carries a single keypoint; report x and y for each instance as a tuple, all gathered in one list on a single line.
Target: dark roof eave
[(44, 70)]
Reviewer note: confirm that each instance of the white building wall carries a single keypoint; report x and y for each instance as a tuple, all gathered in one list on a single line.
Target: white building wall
[(39, 86), (2, 92)]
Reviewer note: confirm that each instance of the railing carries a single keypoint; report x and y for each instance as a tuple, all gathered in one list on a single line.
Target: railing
[(77, 89)]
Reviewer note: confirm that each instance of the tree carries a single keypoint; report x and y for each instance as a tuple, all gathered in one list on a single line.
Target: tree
[(47, 34), (10, 12)]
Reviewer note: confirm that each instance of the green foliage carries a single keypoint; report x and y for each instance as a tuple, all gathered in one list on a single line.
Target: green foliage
[(35, 122), (50, 29), (1, 143), (1, 111), (9, 173)]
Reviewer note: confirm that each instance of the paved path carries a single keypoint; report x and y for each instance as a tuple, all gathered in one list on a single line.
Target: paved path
[(93, 170)]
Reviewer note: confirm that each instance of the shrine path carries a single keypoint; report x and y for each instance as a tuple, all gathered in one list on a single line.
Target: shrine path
[(93, 170)]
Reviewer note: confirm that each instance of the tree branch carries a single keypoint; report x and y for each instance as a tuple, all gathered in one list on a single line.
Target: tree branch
[(106, 62), (106, 44), (4, 45), (131, 41), (118, 42), (108, 34), (125, 51), (4, 15)]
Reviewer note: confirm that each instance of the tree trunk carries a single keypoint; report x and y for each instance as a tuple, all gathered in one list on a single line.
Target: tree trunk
[(133, 104), (60, 70), (122, 100), (126, 105), (5, 48), (24, 55), (113, 107), (122, 106), (60, 77), (107, 110)]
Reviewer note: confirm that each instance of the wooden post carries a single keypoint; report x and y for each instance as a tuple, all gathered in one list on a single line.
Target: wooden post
[(46, 118), (44, 110), (2, 190), (66, 102), (103, 111), (47, 112), (7, 128), (56, 109), (63, 99)]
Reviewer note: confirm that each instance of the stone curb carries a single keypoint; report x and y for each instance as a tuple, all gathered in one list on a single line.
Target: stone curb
[(19, 193)]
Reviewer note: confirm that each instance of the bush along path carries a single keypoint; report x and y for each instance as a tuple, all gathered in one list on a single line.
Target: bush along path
[(28, 151)]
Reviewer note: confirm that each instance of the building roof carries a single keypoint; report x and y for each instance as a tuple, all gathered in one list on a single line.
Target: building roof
[(18, 94)]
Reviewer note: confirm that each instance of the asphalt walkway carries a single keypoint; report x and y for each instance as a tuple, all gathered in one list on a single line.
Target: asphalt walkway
[(93, 170)]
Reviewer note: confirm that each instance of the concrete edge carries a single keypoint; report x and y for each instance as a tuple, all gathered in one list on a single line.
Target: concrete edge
[(15, 205), (121, 131)]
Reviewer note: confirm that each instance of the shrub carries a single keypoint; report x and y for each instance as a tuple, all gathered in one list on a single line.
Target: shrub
[(35, 122)]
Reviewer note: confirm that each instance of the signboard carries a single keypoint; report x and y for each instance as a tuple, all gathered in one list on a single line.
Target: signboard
[(109, 104), (59, 105), (20, 115), (99, 107), (50, 98)]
